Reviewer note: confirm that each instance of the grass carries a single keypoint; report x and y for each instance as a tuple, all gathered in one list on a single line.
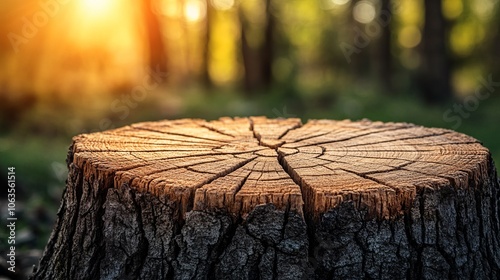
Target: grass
[(40, 179), (38, 162)]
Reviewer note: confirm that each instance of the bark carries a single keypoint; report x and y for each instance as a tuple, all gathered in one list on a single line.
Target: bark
[(254, 198)]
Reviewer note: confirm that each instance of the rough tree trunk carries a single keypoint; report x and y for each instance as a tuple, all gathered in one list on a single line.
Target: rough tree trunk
[(253, 198)]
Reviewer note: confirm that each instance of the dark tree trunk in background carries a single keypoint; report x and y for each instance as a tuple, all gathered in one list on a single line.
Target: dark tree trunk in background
[(251, 63), (157, 54), (384, 48), (267, 52), (205, 74), (435, 70), (495, 58), (360, 60), (491, 55), (257, 60)]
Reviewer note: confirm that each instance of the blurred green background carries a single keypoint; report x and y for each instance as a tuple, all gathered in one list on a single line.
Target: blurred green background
[(71, 67)]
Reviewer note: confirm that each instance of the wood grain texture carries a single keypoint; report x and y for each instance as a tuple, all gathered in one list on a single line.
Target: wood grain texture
[(238, 164), (276, 199)]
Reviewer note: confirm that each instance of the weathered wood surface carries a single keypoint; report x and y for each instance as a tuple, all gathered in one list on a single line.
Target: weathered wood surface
[(254, 198)]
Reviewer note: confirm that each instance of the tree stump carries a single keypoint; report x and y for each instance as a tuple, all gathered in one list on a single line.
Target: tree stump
[(256, 198)]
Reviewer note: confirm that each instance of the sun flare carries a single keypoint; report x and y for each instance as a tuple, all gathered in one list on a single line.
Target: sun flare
[(96, 7), (195, 10)]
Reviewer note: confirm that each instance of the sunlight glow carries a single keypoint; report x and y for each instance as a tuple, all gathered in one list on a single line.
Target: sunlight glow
[(465, 37), (333, 4), (340, 2), (452, 9), (169, 8), (364, 11), (96, 7), (222, 5), (484, 8), (195, 10), (409, 37)]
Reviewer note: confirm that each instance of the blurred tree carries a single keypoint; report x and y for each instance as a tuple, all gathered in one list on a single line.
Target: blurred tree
[(257, 54), (435, 78), (205, 73), (361, 59), (268, 45), (158, 59), (384, 56), (185, 17), (493, 56), (250, 57)]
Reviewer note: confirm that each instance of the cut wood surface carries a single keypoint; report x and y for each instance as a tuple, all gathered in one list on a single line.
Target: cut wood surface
[(181, 199)]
